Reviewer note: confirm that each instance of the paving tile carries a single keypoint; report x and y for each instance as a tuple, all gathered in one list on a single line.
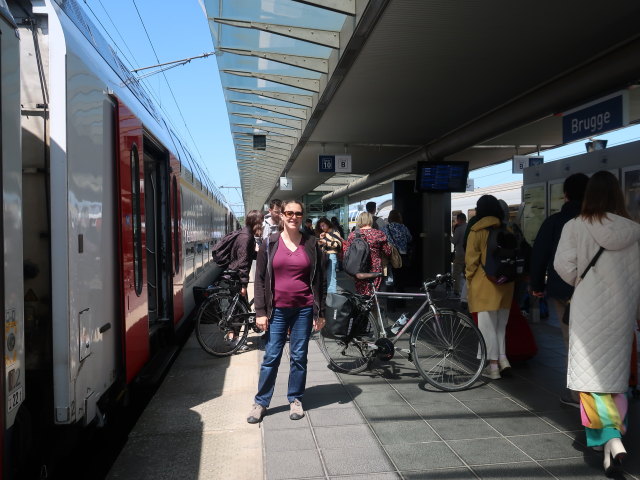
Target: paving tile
[(576, 468), (336, 416), (512, 471), (441, 474), (404, 432), (379, 398), (549, 446), (368, 476), (520, 424), (565, 420), (384, 413), (462, 428), (487, 451), (417, 396), (345, 436), (285, 440), (444, 411), (422, 456), (354, 389), (478, 393), (356, 460), (492, 408), (293, 464)]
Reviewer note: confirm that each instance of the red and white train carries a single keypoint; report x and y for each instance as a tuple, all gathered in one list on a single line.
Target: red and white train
[(106, 231)]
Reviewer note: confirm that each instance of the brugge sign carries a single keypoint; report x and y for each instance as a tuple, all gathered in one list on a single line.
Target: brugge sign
[(595, 118)]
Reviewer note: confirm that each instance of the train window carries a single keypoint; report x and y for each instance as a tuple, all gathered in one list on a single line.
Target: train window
[(136, 220), (176, 230)]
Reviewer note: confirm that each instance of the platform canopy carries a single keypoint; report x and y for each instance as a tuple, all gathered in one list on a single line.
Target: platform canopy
[(393, 82)]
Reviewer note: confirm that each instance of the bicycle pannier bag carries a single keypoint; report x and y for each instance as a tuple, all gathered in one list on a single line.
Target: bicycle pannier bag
[(357, 257), (500, 266), (341, 317)]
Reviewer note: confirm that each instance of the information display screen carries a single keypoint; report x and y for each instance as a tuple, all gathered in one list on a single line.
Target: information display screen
[(442, 176)]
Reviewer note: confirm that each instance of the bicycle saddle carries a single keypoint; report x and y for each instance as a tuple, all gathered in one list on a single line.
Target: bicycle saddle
[(368, 275)]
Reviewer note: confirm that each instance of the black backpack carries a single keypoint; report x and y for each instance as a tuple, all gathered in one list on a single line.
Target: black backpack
[(501, 266), (523, 251), (357, 257), (222, 250)]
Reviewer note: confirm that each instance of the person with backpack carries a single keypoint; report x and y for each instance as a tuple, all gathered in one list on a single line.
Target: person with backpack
[(377, 222), (375, 241), (399, 236), (290, 293), (490, 273), (237, 249)]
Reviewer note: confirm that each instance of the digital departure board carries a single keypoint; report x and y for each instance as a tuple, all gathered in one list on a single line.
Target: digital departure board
[(442, 176)]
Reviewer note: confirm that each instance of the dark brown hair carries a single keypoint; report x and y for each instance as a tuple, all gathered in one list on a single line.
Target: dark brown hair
[(395, 216), (603, 195), (322, 220), (254, 220)]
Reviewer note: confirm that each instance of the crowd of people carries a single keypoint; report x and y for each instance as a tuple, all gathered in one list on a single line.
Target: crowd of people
[(580, 257), (584, 261)]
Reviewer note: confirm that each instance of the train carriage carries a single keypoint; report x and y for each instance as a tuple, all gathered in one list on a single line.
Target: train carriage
[(117, 229)]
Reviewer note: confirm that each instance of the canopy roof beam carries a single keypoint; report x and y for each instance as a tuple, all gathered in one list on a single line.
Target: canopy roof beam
[(287, 122), (297, 98), (263, 153), (288, 132), (281, 139), (315, 64), (291, 111), (326, 38), (298, 82), (347, 7)]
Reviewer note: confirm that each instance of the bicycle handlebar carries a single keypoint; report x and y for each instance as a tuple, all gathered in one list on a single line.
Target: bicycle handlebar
[(439, 280)]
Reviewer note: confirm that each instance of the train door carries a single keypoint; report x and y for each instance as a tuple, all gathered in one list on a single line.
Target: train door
[(158, 234), (176, 240)]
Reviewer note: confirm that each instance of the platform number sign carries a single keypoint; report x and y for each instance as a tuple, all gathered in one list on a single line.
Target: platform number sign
[(334, 163)]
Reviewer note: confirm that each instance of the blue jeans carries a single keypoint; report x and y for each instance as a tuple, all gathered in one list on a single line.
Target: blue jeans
[(331, 273), (300, 321)]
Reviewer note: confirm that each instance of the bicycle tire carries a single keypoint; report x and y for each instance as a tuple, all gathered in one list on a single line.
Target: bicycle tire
[(350, 357), (449, 353), (213, 326)]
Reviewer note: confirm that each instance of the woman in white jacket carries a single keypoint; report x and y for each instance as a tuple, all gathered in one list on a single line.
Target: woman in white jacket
[(604, 309)]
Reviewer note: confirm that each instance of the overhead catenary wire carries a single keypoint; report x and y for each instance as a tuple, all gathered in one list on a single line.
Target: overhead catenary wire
[(170, 89)]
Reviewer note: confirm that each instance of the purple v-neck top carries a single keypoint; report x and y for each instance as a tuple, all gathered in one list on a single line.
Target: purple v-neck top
[(292, 277)]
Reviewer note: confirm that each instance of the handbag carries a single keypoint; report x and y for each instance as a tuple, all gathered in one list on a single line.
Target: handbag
[(565, 315), (395, 258)]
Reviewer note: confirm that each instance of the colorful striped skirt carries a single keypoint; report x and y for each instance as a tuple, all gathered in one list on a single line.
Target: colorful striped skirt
[(604, 416)]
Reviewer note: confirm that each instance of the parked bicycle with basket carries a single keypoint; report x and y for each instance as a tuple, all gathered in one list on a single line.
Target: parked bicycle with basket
[(445, 346)]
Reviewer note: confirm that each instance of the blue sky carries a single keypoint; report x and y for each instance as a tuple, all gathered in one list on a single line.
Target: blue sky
[(179, 30)]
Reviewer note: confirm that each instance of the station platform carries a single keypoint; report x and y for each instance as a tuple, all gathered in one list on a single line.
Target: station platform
[(383, 424)]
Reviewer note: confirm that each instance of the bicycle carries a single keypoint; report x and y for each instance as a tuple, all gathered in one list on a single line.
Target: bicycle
[(446, 347), (224, 318)]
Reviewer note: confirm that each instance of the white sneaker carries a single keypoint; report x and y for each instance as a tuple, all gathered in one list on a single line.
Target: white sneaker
[(504, 365), (492, 373)]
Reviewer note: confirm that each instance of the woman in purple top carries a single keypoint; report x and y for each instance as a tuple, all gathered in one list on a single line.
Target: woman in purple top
[(290, 289)]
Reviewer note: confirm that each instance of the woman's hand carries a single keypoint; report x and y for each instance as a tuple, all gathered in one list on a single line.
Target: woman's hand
[(318, 323), (262, 323)]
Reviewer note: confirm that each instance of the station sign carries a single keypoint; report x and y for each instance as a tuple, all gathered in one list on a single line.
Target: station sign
[(595, 118), (334, 163), (286, 183), (520, 162)]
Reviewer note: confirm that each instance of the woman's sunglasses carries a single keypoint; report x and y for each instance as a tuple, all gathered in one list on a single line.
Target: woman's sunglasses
[(290, 214)]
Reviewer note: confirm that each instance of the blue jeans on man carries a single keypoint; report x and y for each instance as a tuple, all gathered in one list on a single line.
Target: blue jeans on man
[(300, 321)]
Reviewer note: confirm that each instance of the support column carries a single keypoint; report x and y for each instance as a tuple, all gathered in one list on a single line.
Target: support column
[(436, 236)]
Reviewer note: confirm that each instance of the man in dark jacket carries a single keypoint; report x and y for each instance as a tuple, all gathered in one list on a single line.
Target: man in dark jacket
[(544, 250)]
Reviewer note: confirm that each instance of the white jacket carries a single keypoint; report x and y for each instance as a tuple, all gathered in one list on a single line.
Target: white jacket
[(604, 306)]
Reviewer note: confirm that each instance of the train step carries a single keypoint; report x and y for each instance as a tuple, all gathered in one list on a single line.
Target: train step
[(153, 371)]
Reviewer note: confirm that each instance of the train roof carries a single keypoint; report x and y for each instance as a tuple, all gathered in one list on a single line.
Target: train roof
[(90, 32)]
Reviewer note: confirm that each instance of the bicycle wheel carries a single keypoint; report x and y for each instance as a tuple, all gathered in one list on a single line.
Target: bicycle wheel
[(219, 331), (448, 350), (353, 356)]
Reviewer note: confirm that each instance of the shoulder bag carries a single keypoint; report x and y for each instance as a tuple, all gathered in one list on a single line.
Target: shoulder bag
[(395, 259), (565, 315)]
